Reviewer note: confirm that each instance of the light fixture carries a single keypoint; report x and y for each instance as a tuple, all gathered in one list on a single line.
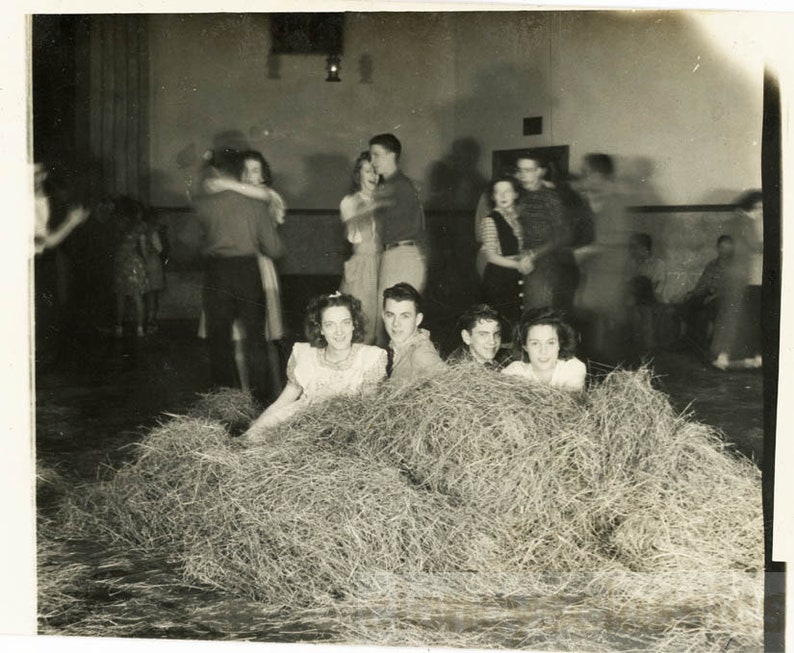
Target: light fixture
[(332, 64)]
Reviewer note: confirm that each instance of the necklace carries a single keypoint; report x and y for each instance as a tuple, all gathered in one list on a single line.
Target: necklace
[(342, 363)]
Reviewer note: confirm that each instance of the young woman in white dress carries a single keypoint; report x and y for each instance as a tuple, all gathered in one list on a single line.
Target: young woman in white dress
[(547, 344), (333, 362)]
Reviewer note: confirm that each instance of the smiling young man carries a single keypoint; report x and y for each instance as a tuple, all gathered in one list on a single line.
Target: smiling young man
[(481, 333), (414, 354)]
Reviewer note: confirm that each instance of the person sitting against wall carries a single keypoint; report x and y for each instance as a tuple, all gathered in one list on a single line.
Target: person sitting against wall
[(332, 363), (546, 345), (481, 333), (699, 307), (646, 280)]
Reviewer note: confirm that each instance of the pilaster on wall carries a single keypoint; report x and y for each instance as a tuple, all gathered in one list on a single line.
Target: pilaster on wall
[(117, 89)]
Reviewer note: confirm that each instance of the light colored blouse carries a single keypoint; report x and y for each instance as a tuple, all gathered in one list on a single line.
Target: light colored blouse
[(568, 374), (320, 379), (489, 236)]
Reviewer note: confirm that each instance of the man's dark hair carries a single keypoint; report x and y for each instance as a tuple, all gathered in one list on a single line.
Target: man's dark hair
[(401, 292), (478, 313), (389, 142), (539, 159), (227, 159)]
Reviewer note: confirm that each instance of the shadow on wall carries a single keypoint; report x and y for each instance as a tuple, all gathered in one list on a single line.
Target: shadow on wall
[(635, 178), (329, 172), (454, 187), (454, 183)]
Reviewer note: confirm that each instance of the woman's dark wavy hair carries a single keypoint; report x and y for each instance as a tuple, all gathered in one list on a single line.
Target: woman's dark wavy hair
[(255, 155), (361, 159), (314, 314), (510, 179), (541, 317)]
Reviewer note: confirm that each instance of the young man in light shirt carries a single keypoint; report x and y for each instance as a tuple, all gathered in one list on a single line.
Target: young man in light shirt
[(413, 353)]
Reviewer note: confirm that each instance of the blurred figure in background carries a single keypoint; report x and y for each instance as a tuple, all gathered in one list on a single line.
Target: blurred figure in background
[(130, 278), (645, 282), (155, 255), (700, 306), (356, 211), (545, 233), (253, 179), (737, 336), (235, 229), (58, 212), (400, 221), (502, 244), (578, 220), (600, 299)]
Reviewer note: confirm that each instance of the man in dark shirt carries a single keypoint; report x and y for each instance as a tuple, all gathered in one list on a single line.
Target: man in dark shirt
[(234, 230), (540, 213), (400, 221)]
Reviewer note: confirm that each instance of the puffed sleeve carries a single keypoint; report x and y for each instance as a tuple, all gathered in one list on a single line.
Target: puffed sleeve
[(513, 369), (574, 375), (375, 371), (292, 364)]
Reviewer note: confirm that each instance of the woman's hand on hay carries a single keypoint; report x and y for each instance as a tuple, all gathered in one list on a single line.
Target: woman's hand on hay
[(259, 428)]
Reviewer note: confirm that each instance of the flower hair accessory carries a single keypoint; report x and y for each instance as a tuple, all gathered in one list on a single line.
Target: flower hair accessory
[(334, 295)]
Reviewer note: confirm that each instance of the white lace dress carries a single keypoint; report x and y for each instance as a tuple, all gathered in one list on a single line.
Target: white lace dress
[(321, 379)]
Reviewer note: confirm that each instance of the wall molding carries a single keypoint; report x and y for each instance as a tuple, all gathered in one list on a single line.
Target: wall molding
[(650, 208)]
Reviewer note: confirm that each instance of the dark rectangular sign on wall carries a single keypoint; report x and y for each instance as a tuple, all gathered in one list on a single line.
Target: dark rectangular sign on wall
[(307, 33)]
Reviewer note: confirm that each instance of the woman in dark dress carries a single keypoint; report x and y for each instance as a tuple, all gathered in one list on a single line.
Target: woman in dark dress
[(501, 236)]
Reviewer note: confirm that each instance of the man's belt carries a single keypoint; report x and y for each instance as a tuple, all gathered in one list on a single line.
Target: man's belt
[(399, 243)]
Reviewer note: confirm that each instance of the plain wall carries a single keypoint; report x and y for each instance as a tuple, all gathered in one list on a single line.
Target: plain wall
[(657, 90), (648, 87)]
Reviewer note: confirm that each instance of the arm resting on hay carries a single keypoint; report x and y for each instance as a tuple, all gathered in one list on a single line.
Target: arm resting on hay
[(289, 395), (376, 373)]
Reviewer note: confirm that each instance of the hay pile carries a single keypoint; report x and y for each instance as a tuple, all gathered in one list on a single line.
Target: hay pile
[(448, 488)]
